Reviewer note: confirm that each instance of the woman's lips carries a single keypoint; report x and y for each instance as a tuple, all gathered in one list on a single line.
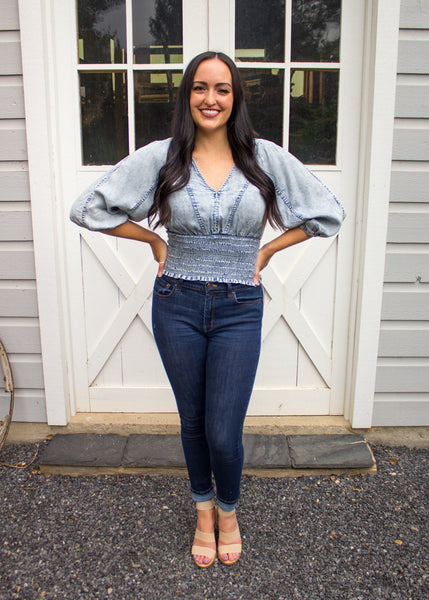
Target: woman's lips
[(209, 112)]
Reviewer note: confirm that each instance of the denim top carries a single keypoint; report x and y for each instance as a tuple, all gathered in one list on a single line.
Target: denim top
[(212, 235)]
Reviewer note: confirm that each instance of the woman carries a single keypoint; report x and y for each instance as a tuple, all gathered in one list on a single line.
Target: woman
[(214, 187)]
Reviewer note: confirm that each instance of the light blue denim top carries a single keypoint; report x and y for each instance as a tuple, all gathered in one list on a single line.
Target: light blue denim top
[(212, 235)]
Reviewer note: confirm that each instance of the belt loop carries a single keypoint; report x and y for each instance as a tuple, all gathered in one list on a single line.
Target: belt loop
[(229, 288)]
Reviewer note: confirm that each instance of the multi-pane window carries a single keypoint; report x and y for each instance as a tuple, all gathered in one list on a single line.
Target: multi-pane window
[(288, 52), (130, 55), (130, 64)]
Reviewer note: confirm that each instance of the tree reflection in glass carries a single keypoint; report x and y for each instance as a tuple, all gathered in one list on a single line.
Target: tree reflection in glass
[(316, 30), (313, 116), (264, 99), (102, 34), (260, 30), (157, 31), (103, 117), (155, 94)]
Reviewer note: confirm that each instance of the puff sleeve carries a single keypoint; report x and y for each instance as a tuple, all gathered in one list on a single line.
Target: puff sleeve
[(125, 192), (303, 200)]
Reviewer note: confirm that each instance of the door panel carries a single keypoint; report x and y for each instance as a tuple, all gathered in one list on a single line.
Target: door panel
[(307, 287)]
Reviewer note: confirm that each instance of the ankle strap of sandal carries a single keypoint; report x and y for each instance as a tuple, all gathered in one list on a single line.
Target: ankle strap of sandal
[(207, 505)]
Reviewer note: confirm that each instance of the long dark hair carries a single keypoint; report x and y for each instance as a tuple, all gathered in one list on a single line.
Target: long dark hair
[(174, 175)]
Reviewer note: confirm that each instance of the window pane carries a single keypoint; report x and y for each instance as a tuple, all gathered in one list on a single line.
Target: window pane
[(157, 31), (313, 116), (316, 30), (103, 100), (102, 37), (264, 99), (155, 94), (260, 30)]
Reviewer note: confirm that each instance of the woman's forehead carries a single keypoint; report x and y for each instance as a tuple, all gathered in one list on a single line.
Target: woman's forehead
[(213, 69)]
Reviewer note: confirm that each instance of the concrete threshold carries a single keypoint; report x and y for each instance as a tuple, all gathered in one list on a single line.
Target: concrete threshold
[(266, 455)]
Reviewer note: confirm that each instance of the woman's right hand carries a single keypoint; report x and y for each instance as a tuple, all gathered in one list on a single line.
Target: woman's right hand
[(133, 231)]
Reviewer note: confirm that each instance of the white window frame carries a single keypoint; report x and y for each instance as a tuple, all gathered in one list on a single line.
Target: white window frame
[(40, 46)]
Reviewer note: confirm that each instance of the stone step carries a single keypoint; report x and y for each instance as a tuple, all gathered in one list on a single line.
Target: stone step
[(268, 455)]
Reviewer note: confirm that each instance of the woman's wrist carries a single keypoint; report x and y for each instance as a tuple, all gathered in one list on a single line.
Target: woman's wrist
[(268, 250)]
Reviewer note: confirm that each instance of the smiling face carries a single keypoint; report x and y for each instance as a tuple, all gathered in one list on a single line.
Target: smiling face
[(211, 98)]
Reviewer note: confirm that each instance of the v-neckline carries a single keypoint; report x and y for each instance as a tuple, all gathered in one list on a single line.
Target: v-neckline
[(216, 191)]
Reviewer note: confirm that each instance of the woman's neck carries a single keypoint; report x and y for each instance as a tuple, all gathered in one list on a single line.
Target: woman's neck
[(214, 143)]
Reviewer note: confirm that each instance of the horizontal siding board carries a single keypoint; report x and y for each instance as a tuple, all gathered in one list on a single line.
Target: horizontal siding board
[(399, 342), (407, 267), (10, 58), (18, 302), (408, 413), (409, 378), (414, 14), (405, 306), (409, 186), (410, 144), (13, 144), (412, 101), (408, 227), (15, 225), (27, 371), (9, 19), (21, 337), (14, 185), (11, 102), (413, 56), (17, 264), (30, 406)]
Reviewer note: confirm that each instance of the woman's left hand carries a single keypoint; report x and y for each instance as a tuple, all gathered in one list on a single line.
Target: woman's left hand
[(263, 258), (159, 251), (286, 239)]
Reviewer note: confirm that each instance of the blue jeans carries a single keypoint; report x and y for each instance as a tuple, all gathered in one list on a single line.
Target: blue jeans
[(209, 338)]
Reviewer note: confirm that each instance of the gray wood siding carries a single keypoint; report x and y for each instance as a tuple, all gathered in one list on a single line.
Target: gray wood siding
[(414, 14), (19, 326), (402, 385)]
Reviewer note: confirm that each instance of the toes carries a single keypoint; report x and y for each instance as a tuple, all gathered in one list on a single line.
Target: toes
[(230, 557), (201, 560)]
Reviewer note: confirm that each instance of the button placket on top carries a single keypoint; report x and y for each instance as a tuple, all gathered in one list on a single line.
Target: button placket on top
[(216, 214)]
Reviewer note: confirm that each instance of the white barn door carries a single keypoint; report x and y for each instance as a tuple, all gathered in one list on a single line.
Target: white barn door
[(115, 91)]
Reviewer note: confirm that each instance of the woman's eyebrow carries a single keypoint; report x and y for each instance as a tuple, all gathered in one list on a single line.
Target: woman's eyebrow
[(216, 84)]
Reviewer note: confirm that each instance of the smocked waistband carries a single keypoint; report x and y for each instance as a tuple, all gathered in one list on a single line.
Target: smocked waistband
[(216, 257)]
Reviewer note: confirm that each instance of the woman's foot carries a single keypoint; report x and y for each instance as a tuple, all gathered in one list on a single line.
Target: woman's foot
[(229, 543), (204, 546)]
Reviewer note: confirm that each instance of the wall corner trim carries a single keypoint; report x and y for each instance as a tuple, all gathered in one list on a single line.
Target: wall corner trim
[(380, 67), (36, 63)]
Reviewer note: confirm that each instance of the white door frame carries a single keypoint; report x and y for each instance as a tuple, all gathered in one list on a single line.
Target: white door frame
[(39, 51)]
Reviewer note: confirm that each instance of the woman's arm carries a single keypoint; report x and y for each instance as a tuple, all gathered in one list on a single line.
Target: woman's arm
[(133, 231), (289, 238)]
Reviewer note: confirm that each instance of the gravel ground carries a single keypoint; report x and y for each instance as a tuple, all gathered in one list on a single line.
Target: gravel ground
[(129, 537)]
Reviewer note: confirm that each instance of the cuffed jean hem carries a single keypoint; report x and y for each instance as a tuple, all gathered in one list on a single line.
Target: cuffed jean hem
[(226, 507), (202, 497)]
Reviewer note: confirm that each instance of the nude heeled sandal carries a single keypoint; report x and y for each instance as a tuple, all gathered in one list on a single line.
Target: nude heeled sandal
[(229, 544), (202, 536)]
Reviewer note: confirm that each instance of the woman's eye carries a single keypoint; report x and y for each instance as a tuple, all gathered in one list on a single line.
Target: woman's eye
[(197, 88), (223, 91)]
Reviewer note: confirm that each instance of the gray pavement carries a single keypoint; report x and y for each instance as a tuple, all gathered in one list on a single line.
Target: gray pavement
[(128, 536)]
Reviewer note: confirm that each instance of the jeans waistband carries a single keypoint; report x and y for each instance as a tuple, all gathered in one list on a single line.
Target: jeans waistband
[(204, 286)]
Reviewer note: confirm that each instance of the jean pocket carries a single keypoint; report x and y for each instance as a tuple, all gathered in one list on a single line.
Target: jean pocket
[(163, 288), (248, 295)]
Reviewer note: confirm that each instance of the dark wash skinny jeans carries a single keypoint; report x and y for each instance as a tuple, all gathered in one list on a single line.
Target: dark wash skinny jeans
[(209, 338)]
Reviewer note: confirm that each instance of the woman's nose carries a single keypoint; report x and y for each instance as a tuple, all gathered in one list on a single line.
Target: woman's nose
[(210, 98)]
